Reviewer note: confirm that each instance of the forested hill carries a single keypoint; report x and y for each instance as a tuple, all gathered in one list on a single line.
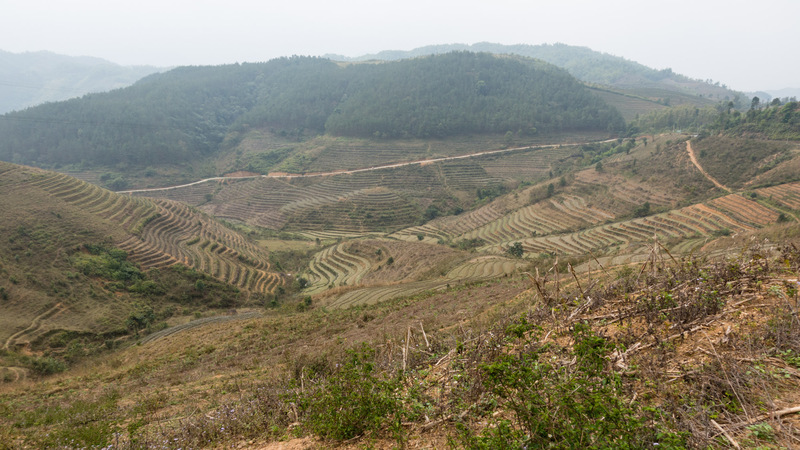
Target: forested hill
[(186, 113), (33, 78), (582, 62)]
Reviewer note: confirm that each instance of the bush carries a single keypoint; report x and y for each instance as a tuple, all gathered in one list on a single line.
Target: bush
[(516, 250), (555, 405), (47, 365), (352, 401)]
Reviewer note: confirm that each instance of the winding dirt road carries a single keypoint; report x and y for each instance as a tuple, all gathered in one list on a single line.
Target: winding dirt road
[(366, 169), (703, 171)]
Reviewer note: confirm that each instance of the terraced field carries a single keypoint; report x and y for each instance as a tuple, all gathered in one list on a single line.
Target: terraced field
[(163, 232), (476, 269), (386, 196), (448, 228), (334, 267), (744, 210), (787, 194), (355, 154), (526, 165), (554, 216), (690, 223)]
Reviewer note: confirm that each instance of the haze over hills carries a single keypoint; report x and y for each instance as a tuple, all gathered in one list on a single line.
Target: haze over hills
[(583, 63), (33, 78)]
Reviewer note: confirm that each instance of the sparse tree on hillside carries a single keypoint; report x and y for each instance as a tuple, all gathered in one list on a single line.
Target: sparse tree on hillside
[(516, 250)]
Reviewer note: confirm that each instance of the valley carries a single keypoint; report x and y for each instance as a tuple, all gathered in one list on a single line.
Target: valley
[(357, 267)]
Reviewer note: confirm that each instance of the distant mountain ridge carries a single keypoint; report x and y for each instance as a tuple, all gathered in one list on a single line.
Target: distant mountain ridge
[(581, 62), (32, 78)]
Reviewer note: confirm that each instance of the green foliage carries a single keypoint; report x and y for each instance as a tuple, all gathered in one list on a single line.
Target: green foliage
[(108, 263), (779, 122), (684, 117), (491, 192), (352, 401), (47, 365), (469, 244), (516, 250), (141, 317), (458, 93), (643, 210), (185, 114), (577, 405)]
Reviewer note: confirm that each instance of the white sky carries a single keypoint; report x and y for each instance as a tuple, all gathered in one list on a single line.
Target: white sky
[(748, 45)]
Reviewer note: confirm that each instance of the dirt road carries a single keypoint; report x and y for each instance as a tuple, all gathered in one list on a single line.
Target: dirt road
[(703, 171), (341, 172)]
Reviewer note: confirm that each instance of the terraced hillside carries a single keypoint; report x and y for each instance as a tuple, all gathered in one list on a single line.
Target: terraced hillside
[(160, 233), (600, 218), (373, 270), (381, 200), (545, 199)]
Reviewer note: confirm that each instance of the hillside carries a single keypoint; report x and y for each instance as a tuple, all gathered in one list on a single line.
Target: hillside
[(669, 353), (474, 290), (610, 283), (30, 79), (190, 115), (84, 266), (584, 64)]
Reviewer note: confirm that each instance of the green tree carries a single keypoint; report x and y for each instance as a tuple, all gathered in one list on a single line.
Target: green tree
[(516, 250)]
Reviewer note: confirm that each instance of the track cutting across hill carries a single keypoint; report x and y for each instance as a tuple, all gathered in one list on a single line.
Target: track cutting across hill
[(421, 162), (696, 163)]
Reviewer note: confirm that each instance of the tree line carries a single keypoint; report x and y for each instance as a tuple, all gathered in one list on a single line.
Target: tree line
[(776, 120)]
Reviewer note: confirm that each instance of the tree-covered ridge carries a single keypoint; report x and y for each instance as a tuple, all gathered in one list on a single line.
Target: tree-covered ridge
[(462, 93), (186, 113), (581, 62)]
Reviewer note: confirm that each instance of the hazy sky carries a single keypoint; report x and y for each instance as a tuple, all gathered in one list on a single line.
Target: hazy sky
[(747, 45)]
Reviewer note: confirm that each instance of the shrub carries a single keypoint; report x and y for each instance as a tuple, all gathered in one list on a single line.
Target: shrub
[(352, 401), (47, 365), (643, 210), (554, 405), (516, 250)]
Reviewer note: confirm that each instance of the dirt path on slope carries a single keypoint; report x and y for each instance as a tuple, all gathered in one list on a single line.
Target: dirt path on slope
[(366, 169), (703, 171), (35, 324)]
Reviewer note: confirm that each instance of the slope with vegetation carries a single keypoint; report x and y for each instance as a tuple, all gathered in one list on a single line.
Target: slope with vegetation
[(200, 113), (682, 353), (586, 65), (604, 294), (85, 269)]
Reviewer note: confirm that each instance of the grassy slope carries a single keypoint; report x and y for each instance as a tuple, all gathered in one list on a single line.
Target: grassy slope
[(224, 382)]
